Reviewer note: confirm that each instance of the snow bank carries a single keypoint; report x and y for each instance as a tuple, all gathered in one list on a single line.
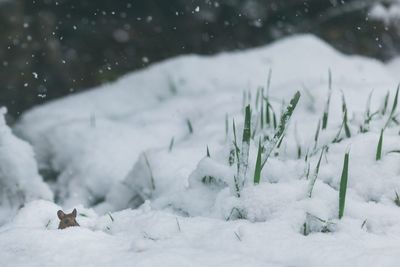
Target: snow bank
[(146, 237), (89, 142), (155, 150), (19, 178)]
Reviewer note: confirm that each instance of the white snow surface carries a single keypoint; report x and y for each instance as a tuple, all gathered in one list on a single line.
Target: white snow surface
[(20, 181), (142, 199)]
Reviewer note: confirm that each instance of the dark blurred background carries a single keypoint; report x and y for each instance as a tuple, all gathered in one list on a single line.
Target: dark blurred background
[(52, 48)]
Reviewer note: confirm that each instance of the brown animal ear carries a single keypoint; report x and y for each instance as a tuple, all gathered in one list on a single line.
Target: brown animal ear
[(60, 214), (74, 213)]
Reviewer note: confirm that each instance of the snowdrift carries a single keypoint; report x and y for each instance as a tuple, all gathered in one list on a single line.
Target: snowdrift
[(20, 181), (149, 161)]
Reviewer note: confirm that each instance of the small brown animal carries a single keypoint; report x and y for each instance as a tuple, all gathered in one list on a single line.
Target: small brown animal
[(67, 220)]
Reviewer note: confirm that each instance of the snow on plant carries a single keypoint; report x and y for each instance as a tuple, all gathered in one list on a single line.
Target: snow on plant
[(243, 159), (279, 133)]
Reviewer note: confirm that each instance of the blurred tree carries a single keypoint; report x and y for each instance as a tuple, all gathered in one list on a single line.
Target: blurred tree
[(51, 48)]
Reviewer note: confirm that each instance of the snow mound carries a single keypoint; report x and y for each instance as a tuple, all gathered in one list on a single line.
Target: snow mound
[(89, 142), (146, 237), (150, 163), (20, 181)]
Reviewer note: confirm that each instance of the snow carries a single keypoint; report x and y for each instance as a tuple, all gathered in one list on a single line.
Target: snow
[(143, 201), (388, 14), (20, 181)]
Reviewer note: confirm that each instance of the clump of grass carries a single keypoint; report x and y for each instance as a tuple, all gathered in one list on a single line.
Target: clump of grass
[(378, 155), (281, 127), (343, 185), (275, 141)]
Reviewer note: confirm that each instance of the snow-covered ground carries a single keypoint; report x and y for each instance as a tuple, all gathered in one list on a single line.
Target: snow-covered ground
[(131, 157)]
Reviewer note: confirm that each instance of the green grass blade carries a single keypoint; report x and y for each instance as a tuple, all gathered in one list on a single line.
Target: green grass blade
[(393, 107), (237, 150), (171, 144), (247, 126), (326, 110), (258, 168), (395, 100), (379, 147), (267, 112), (345, 123), (189, 125), (315, 174), (316, 136), (153, 185), (346, 126), (324, 120), (343, 185), (262, 114), (337, 138), (287, 114)]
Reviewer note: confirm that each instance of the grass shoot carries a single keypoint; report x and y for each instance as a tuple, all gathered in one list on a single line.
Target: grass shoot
[(378, 155), (343, 185)]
